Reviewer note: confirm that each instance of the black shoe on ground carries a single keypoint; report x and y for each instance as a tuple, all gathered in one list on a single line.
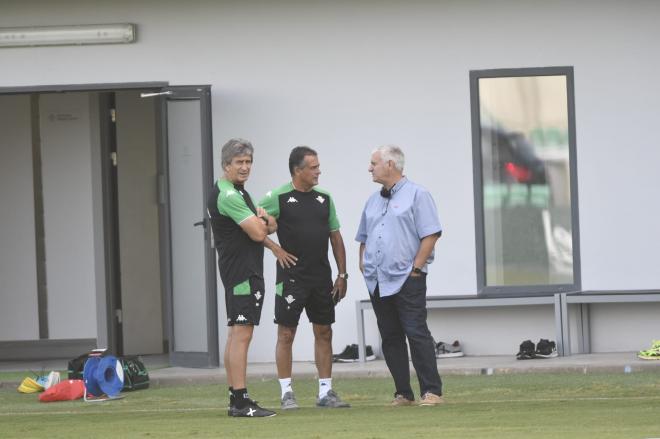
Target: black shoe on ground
[(350, 354), (252, 410), (546, 349), (527, 351)]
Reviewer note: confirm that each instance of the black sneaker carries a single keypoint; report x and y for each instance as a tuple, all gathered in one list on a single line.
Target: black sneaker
[(546, 349), (251, 410), (348, 355), (370, 354), (527, 351)]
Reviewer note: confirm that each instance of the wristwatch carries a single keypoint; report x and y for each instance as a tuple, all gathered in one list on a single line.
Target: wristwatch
[(343, 275), (417, 270)]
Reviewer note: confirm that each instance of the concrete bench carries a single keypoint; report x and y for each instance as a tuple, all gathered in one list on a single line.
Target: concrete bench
[(446, 302), (583, 299)]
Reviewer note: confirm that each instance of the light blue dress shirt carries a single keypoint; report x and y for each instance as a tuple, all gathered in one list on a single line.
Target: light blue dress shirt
[(392, 229)]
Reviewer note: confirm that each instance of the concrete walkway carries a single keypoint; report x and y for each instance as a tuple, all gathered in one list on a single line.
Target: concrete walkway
[(161, 374)]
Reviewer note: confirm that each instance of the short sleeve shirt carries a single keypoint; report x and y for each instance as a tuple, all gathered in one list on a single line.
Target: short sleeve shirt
[(392, 229), (304, 223), (239, 257)]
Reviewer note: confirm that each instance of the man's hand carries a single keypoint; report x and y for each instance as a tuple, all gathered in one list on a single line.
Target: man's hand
[(284, 258), (339, 290)]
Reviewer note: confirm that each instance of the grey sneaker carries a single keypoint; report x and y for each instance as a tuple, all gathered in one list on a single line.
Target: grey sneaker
[(332, 400), (289, 401)]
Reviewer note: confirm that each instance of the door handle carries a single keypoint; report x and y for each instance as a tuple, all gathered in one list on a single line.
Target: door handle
[(200, 223)]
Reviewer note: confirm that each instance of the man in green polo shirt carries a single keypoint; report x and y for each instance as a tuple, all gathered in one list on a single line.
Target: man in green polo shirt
[(306, 222), (239, 230)]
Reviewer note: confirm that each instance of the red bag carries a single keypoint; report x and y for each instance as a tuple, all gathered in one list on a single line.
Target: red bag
[(67, 390)]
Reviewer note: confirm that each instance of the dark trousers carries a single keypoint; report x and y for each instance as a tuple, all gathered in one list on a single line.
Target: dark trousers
[(402, 316)]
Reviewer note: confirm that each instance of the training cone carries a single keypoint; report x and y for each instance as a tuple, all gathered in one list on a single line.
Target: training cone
[(29, 385), (103, 376)]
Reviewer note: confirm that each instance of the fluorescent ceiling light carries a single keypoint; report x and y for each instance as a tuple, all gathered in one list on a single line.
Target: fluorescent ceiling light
[(67, 35)]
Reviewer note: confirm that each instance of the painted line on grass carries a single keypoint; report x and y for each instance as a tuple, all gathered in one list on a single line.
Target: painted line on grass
[(384, 406)]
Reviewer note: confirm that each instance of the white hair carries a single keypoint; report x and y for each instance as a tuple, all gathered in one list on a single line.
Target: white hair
[(393, 153)]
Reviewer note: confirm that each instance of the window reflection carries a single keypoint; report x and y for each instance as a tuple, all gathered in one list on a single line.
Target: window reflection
[(526, 180)]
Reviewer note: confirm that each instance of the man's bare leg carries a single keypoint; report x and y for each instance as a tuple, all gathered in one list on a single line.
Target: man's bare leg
[(236, 355), (323, 350), (284, 350)]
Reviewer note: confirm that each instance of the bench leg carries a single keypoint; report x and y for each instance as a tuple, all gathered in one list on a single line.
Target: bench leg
[(359, 312)]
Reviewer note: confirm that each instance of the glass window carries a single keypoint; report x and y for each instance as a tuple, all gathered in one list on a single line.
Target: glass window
[(526, 203)]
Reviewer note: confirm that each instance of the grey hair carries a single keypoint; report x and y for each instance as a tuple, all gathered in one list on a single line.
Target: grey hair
[(235, 147), (393, 153)]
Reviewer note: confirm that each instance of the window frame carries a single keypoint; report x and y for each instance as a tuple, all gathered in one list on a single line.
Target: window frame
[(522, 290)]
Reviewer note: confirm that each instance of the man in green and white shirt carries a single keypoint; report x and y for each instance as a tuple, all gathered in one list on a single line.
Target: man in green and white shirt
[(307, 220), (239, 230)]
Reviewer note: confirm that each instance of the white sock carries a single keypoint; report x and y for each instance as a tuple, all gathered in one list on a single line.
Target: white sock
[(285, 385), (325, 384)]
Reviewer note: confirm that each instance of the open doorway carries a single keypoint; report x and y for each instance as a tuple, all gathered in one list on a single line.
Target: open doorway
[(104, 232)]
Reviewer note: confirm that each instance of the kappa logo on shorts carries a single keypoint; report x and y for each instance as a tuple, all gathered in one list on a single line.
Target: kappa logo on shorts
[(291, 200), (320, 199), (241, 318), (258, 295), (289, 299)]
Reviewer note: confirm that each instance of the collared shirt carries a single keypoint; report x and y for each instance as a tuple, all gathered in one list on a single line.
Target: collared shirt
[(392, 229)]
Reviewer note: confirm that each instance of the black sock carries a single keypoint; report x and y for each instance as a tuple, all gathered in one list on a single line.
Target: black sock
[(241, 398), (231, 396)]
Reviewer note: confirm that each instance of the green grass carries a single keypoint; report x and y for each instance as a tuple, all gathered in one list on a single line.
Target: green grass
[(498, 406)]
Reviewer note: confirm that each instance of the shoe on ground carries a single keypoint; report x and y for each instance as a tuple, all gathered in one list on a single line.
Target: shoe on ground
[(430, 399), (252, 410), (351, 354), (653, 353), (48, 381), (332, 401), (401, 401), (289, 401), (527, 351), (546, 349), (348, 355), (446, 350)]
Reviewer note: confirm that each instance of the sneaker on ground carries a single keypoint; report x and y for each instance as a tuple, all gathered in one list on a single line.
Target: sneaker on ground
[(545, 349), (370, 353), (653, 353), (401, 401), (48, 381), (446, 350), (527, 351), (289, 401), (351, 354), (429, 399), (348, 355), (332, 400), (252, 410)]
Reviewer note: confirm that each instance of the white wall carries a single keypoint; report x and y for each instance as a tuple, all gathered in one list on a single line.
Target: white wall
[(19, 318), (344, 77), (68, 215)]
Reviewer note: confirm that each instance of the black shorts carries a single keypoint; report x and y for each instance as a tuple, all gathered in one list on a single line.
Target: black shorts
[(244, 302), (292, 297)]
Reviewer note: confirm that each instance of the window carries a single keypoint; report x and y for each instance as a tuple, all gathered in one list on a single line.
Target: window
[(523, 136)]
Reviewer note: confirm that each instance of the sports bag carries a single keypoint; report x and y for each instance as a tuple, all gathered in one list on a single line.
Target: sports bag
[(136, 376)]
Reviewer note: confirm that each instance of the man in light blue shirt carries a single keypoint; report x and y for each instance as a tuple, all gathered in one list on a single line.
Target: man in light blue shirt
[(397, 233)]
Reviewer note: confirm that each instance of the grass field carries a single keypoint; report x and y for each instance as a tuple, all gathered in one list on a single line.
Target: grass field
[(497, 406)]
